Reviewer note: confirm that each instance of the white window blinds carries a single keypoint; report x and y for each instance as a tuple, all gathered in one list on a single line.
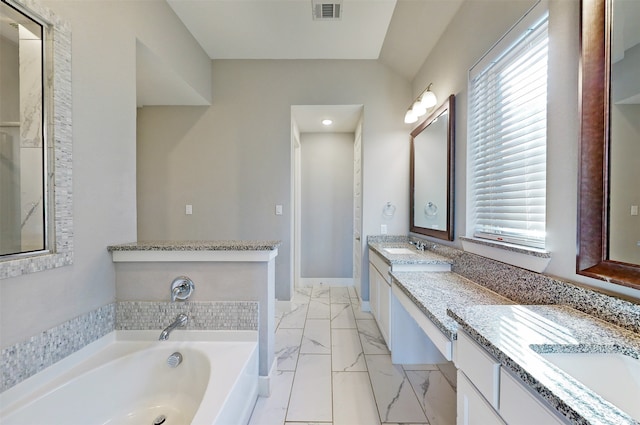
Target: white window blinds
[(507, 129)]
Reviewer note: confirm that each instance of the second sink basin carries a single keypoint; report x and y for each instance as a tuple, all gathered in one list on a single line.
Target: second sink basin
[(400, 251), (613, 376)]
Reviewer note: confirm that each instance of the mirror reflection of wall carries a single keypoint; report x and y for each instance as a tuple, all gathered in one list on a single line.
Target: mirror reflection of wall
[(624, 230), (22, 190), (430, 194)]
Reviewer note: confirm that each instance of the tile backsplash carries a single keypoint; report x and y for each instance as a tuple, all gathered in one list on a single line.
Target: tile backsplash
[(29, 357)]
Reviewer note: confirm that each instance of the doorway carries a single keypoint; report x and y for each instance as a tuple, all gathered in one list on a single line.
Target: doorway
[(327, 195)]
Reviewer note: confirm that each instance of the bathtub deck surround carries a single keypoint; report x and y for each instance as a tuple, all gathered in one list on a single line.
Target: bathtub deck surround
[(27, 358), (224, 270), (125, 377)]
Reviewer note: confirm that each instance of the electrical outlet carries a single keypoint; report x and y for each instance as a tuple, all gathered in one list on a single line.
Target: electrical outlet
[(188, 210)]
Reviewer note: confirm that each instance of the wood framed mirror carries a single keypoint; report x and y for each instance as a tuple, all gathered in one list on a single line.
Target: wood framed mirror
[(431, 175), (595, 217)]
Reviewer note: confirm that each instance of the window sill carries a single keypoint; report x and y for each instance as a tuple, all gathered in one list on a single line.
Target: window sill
[(532, 259)]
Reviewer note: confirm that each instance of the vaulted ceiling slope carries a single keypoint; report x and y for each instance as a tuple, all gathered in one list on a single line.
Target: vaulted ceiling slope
[(400, 33)]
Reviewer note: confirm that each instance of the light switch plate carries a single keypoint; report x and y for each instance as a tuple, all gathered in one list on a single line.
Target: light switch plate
[(383, 229), (634, 210), (188, 210), (278, 209)]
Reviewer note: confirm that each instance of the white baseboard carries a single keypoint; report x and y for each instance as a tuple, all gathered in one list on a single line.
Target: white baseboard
[(327, 281), (264, 382), (364, 306)]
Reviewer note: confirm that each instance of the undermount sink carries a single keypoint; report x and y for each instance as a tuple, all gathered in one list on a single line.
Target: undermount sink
[(400, 251), (613, 376)]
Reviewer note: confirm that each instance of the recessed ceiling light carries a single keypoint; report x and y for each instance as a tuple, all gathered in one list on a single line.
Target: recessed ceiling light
[(327, 122)]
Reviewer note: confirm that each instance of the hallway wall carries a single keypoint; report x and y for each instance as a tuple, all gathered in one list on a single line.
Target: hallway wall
[(327, 205)]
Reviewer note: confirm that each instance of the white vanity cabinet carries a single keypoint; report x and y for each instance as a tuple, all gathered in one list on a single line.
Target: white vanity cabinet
[(488, 394), (381, 300), (380, 294)]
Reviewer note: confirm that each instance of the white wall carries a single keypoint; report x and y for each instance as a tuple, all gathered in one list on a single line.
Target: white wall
[(327, 205), (232, 161), (104, 155), (473, 31)]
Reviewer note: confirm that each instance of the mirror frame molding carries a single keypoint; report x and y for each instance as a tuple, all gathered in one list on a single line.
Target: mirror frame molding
[(447, 234), (593, 178), (59, 143)]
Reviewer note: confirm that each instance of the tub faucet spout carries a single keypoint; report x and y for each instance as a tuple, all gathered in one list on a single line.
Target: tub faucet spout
[(181, 320)]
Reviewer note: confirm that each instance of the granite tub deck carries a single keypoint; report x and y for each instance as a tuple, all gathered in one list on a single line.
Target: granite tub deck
[(516, 335)]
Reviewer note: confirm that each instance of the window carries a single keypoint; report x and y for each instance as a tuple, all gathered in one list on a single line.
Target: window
[(507, 136)]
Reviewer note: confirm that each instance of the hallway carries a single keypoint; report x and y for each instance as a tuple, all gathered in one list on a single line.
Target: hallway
[(334, 368)]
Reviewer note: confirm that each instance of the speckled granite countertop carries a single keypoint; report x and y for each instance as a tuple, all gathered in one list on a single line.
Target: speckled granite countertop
[(417, 257), (434, 292), (196, 246), (515, 335)]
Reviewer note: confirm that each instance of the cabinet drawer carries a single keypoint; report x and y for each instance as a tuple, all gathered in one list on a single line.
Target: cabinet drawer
[(472, 408), (480, 367), (519, 406), (380, 264)]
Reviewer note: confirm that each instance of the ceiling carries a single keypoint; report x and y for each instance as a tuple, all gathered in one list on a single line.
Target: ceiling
[(401, 33), (398, 33)]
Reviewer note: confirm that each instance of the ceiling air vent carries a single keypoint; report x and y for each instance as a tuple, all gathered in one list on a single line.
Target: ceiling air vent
[(323, 10)]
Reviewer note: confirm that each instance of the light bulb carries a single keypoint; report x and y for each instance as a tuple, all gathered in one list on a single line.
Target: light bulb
[(428, 99), (418, 109), (327, 122), (410, 117)]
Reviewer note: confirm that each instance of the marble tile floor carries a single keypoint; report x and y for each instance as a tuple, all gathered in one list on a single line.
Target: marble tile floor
[(335, 369)]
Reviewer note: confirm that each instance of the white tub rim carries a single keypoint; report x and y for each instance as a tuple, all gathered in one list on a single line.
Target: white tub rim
[(19, 395)]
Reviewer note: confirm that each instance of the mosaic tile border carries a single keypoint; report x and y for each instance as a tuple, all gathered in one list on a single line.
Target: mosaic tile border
[(203, 315), (29, 357)]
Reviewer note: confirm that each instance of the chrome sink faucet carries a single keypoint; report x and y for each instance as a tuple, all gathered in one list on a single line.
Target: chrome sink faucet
[(420, 246), (181, 320)]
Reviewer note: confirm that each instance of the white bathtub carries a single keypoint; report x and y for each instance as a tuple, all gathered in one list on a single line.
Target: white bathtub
[(124, 379)]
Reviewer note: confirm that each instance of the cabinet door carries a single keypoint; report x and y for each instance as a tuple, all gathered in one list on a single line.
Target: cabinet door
[(374, 282), (472, 408), (384, 300), (518, 406)]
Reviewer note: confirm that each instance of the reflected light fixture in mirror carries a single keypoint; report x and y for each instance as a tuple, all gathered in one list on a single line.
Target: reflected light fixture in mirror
[(420, 105), (327, 122)]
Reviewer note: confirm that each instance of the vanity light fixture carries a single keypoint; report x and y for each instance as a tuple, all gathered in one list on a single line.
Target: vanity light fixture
[(327, 122), (419, 107)]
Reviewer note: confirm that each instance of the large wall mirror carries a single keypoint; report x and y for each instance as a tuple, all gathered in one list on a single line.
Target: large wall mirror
[(431, 185), (36, 226), (609, 194)]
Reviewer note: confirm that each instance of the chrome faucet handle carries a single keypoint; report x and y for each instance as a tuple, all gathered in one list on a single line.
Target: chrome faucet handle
[(181, 288)]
